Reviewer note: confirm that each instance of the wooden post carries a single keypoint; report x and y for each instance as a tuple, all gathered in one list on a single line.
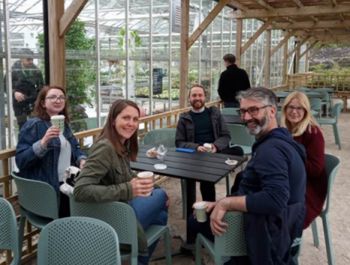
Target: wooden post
[(285, 60), (56, 44), (185, 16), (239, 28), (267, 59)]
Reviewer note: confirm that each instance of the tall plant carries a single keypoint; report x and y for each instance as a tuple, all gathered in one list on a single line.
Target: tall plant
[(80, 75)]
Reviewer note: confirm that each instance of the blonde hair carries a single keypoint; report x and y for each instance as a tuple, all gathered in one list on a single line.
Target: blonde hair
[(307, 120)]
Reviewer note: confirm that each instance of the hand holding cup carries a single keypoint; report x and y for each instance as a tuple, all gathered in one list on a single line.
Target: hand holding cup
[(145, 181)]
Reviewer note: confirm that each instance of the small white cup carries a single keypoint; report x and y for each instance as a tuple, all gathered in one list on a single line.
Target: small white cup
[(200, 211), (58, 121), (146, 175), (209, 147)]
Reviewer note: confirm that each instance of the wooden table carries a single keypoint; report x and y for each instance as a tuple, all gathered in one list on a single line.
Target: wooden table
[(189, 166)]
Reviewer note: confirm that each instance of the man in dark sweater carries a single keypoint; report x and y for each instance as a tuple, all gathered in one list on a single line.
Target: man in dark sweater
[(232, 80), (203, 129), (271, 193)]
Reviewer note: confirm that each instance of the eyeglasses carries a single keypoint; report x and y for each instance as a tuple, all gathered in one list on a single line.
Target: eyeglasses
[(298, 109), (253, 111), (55, 98)]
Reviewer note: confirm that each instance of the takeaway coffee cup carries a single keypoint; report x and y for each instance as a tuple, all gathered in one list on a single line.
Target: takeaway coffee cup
[(200, 211), (146, 175), (208, 147), (58, 121)]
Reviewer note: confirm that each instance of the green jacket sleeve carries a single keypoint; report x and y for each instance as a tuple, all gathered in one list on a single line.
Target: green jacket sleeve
[(105, 176)]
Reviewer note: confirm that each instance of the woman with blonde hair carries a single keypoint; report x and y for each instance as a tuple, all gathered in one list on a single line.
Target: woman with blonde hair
[(298, 119)]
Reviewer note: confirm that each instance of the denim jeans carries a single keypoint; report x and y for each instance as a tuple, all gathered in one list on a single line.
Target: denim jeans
[(151, 210)]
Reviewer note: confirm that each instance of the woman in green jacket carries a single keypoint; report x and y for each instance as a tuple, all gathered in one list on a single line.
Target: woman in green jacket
[(107, 176)]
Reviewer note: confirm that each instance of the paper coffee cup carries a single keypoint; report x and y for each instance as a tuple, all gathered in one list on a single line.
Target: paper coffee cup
[(200, 211), (146, 175), (58, 121), (208, 147)]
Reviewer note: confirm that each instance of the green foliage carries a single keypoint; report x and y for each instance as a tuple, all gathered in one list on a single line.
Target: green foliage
[(80, 74)]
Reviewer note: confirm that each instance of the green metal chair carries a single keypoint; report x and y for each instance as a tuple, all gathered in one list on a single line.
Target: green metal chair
[(164, 136), (78, 241), (332, 166), (229, 111), (241, 137), (333, 120), (123, 219), (38, 204), (231, 243), (8, 230)]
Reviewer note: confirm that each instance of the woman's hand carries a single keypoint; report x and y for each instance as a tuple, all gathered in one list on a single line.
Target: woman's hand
[(82, 163), (52, 132), (142, 187)]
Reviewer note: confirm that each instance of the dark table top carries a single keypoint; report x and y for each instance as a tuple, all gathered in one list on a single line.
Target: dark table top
[(228, 118), (196, 166)]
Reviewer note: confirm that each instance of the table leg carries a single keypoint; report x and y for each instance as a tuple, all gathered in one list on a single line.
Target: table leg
[(191, 198)]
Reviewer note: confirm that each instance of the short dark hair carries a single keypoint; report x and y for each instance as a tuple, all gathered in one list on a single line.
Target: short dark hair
[(230, 58), (109, 132), (39, 109), (197, 85)]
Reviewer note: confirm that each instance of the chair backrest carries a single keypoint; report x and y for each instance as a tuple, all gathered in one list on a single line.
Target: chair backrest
[(229, 111), (119, 215), (232, 242), (336, 109), (8, 229), (332, 166), (316, 104), (78, 240), (240, 135), (37, 197), (165, 136)]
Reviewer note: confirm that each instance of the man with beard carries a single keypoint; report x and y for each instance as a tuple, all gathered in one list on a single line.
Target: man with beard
[(271, 193), (197, 129)]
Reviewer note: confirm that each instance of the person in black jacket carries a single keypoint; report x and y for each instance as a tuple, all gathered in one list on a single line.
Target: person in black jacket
[(27, 80), (232, 80)]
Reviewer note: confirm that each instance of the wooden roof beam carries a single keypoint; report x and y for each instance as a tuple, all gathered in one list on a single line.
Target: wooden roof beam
[(334, 2), (70, 15), (311, 24), (298, 3), (255, 35), (206, 22), (237, 5), (265, 5), (282, 42), (308, 48), (293, 11), (300, 43)]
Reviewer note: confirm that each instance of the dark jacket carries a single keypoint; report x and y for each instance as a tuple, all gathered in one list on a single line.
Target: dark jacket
[(232, 80), (274, 182), (27, 81), (185, 131), (35, 162)]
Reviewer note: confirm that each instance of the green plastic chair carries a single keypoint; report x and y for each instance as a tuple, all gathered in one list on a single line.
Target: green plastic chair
[(8, 230), (231, 244), (38, 204), (229, 111), (123, 219), (316, 105), (333, 120), (241, 137), (164, 136), (332, 166), (78, 241)]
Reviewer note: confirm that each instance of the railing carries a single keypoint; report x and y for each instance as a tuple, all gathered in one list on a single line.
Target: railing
[(148, 123), (339, 82)]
